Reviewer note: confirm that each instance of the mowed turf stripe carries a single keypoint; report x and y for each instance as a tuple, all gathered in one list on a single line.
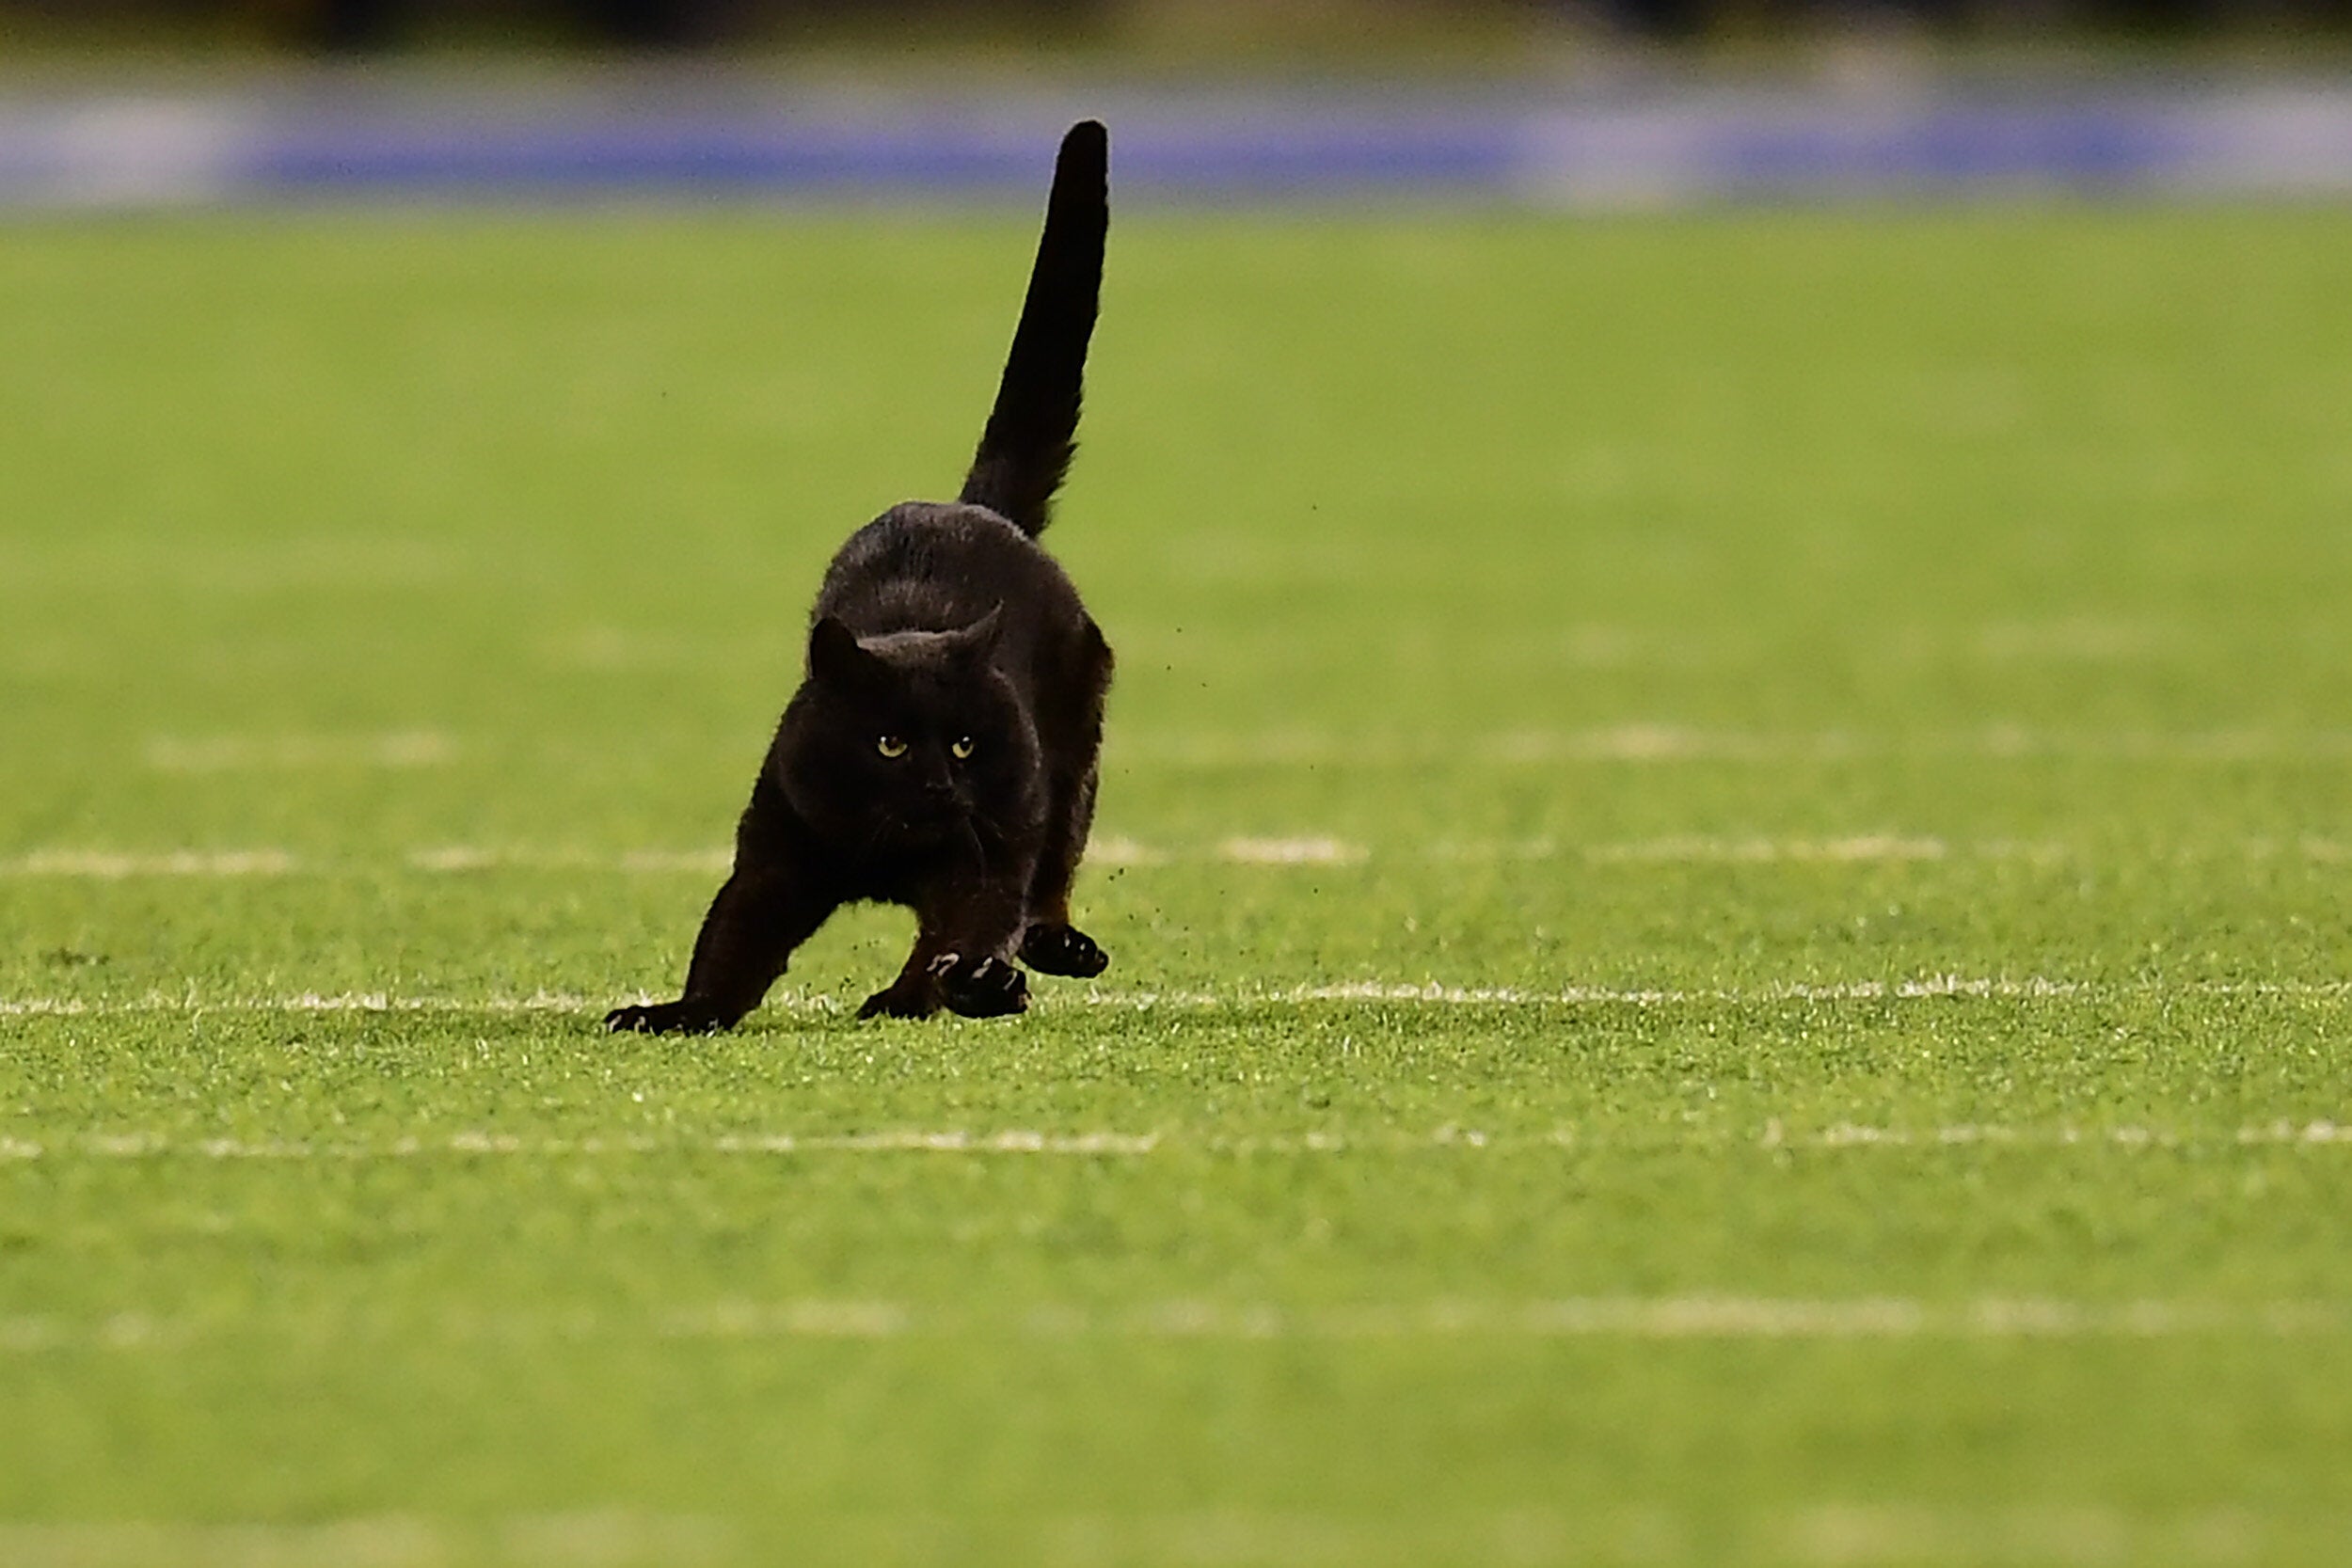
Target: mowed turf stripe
[(1695, 1317)]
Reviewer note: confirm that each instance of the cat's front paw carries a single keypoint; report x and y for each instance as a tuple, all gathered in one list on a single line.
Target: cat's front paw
[(1063, 950), (682, 1017), (979, 987)]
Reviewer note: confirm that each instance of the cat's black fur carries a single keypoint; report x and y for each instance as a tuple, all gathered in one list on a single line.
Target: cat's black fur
[(944, 634)]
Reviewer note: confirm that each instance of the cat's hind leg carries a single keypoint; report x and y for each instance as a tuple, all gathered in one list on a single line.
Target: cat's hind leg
[(1071, 727), (1051, 944)]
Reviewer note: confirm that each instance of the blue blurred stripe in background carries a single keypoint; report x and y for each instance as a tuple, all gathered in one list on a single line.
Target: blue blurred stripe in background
[(313, 141)]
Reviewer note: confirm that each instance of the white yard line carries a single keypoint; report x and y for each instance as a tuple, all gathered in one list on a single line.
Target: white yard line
[(1695, 1317), (611, 1538), (307, 1002), (113, 865), (1434, 993), (1728, 1317), (1635, 741), (1818, 1534), (1318, 850), (1398, 993), (1858, 846), (401, 749), (1677, 1317), (708, 862), (1118, 850), (1921, 1535), (1665, 741), (1307, 850), (472, 1142), (1772, 1135)]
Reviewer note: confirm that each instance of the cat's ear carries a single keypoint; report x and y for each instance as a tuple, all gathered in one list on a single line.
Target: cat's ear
[(835, 657), (978, 640)]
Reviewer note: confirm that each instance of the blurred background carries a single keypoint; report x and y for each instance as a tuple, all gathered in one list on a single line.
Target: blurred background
[(1553, 103), (368, 25)]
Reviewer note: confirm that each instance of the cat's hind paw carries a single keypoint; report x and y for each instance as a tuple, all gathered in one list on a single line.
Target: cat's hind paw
[(979, 987), (682, 1017), (1063, 950)]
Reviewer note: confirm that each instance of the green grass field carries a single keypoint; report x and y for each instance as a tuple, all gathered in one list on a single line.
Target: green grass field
[(1727, 846)]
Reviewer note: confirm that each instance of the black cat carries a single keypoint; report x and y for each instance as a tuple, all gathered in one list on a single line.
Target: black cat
[(942, 752)]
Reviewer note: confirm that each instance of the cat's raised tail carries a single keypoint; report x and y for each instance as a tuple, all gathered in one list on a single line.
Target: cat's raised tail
[(1032, 432)]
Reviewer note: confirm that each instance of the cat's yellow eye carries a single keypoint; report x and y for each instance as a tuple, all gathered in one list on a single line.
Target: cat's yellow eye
[(891, 745), (962, 746)]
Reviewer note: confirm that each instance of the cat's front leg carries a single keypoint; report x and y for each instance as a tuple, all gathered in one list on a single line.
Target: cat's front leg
[(980, 984), (963, 957), (977, 983), (762, 913), (914, 994), (683, 1017), (982, 920)]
